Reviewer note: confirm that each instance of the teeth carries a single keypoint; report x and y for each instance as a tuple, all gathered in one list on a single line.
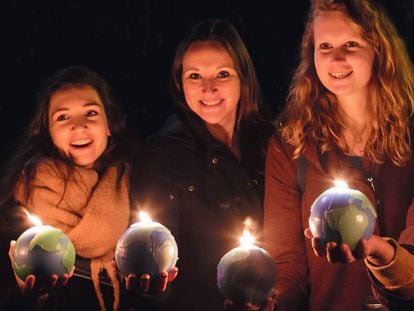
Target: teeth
[(339, 75), (211, 103), (81, 142)]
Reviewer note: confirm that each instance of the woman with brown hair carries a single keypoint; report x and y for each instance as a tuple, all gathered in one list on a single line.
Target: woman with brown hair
[(347, 116), (204, 170)]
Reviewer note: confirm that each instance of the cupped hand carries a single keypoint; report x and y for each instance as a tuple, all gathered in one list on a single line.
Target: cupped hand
[(333, 251), (146, 285), (30, 282), (375, 249)]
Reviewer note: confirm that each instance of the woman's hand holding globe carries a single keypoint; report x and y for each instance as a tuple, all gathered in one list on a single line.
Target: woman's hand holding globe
[(378, 251), (145, 284), (29, 283)]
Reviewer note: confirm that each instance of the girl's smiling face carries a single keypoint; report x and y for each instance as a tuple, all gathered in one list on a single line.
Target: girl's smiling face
[(211, 83), (343, 58), (78, 125)]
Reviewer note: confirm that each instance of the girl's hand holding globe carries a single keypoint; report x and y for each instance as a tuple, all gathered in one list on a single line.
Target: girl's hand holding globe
[(341, 224), (29, 282), (146, 254), (42, 257)]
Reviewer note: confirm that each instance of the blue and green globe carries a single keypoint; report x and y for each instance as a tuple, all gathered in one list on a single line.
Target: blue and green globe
[(146, 248), (246, 274), (342, 215), (43, 251)]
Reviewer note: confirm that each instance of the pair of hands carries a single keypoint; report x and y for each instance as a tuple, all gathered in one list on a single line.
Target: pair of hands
[(375, 249), (141, 284)]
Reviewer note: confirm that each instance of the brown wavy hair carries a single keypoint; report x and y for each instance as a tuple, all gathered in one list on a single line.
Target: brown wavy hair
[(311, 113)]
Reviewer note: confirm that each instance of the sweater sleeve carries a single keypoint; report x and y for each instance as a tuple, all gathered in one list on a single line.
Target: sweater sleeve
[(396, 278), (395, 281), (283, 230)]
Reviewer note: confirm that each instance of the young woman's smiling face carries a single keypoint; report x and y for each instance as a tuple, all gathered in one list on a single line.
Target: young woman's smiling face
[(343, 58), (78, 125), (211, 83)]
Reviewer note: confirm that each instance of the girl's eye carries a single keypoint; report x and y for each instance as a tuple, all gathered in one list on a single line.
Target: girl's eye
[(62, 117), (223, 74), (352, 44), (325, 46), (91, 113), (195, 76)]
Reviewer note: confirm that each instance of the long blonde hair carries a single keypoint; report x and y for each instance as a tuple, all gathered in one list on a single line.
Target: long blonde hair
[(311, 113)]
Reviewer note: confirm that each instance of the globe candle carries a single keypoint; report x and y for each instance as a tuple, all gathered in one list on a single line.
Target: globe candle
[(43, 250), (246, 273), (342, 215), (146, 247)]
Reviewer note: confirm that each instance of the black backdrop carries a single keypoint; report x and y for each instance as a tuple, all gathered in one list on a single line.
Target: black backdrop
[(132, 42)]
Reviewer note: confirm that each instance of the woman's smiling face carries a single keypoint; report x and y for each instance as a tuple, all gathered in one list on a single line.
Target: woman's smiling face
[(343, 58), (211, 83), (78, 125)]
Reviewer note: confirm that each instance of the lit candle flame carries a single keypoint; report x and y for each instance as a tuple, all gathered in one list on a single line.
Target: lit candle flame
[(341, 184), (144, 217), (247, 240), (34, 219)]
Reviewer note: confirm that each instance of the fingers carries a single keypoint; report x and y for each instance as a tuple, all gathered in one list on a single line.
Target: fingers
[(54, 280), (362, 250), (346, 253), (162, 286), (141, 284), (318, 247), (308, 233), (28, 284), (71, 272), (172, 274), (145, 282), (11, 249), (270, 303), (65, 278), (339, 253), (331, 252)]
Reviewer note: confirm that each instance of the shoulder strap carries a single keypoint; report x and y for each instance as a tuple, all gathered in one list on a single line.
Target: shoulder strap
[(301, 173)]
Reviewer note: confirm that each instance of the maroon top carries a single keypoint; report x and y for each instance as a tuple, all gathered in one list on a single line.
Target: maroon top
[(305, 280)]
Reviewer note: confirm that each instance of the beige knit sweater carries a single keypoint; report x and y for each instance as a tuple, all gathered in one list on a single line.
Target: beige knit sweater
[(92, 211)]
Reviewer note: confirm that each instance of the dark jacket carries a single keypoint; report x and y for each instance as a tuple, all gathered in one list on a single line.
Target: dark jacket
[(195, 186)]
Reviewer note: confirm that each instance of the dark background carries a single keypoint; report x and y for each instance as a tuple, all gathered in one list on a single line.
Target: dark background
[(131, 43)]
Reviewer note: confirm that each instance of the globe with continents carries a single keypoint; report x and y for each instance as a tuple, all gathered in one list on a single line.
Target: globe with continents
[(43, 251), (246, 274), (342, 215), (146, 248)]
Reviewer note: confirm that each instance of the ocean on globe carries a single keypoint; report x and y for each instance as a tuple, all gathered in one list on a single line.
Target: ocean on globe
[(146, 248), (43, 251), (246, 274), (342, 215)]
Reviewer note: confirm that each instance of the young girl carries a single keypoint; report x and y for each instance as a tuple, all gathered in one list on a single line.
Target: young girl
[(70, 172), (347, 117), (203, 171)]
